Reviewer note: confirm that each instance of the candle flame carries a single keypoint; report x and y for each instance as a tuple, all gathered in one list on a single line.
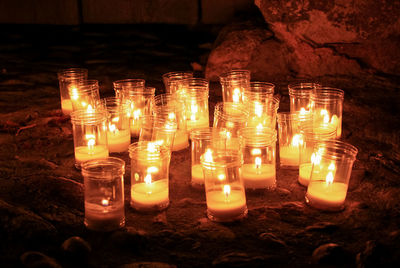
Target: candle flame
[(258, 162), (89, 108), (227, 190), (329, 178), (221, 177), (236, 95), (152, 170), (105, 202), (74, 92), (228, 134), (297, 140), (303, 111), (147, 179), (151, 147), (332, 167), (136, 114), (258, 108), (259, 127), (256, 151), (315, 158), (112, 128), (171, 116), (208, 155), (91, 143), (115, 119)]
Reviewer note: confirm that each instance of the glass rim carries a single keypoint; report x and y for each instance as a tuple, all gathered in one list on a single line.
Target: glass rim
[(255, 136), (83, 117), (325, 131), (204, 133), (302, 89), (222, 159), (235, 73), (327, 94), (116, 166), (72, 72), (241, 116), (136, 148), (336, 149), (129, 81)]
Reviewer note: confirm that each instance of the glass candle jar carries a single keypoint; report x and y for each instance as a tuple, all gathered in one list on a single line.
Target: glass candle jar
[(159, 129), (85, 95), (201, 142), (259, 91), (127, 83), (172, 80), (69, 78), (258, 149), (168, 104), (327, 107), (234, 83), (149, 177), (90, 135), (290, 138), (225, 195), (118, 133), (139, 102), (194, 94), (300, 96), (262, 114), (104, 194), (330, 176), (231, 117), (311, 136)]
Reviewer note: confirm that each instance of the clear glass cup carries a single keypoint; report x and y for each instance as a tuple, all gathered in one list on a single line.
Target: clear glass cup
[(300, 96), (168, 104), (159, 129), (118, 132), (194, 95), (104, 194), (259, 164), (90, 135), (225, 194), (149, 176), (259, 91), (330, 175), (262, 114), (234, 83), (139, 102), (69, 78), (172, 80), (85, 95), (327, 107), (127, 83)]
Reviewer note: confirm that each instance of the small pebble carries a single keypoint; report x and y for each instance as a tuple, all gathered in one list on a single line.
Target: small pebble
[(76, 247)]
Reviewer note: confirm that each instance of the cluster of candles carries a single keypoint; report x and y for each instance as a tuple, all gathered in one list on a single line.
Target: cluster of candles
[(236, 154)]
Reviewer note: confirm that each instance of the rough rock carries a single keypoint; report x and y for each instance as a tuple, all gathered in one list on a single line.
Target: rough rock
[(148, 265), (330, 254), (35, 259), (76, 248)]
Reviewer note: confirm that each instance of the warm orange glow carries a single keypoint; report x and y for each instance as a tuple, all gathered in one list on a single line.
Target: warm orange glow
[(74, 92), (256, 151), (258, 162), (208, 156), (236, 95), (112, 128), (297, 140), (105, 202), (221, 177), (147, 179), (151, 147), (258, 108), (152, 169), (329, 178), (227, 190)]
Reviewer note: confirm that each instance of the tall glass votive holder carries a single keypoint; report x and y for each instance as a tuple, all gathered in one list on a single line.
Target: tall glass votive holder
[(69, 78), (259, 91), (300, 96), (230, 117), (201, 142), (168, 104), (158, 129), (149, 177), (330, 177), (194, 94), (118, 133), (104, 194), (262, 113), (259, 158), (139, 102), (225, 194), (90, 135), (311, 136), (85, 95), (327, 107), (290, 138), (127, 83), (172, 80), (234, 84)]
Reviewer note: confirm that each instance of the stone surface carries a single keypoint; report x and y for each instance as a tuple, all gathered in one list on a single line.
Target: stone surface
[(331, 254), (222, 11), (336, 37)]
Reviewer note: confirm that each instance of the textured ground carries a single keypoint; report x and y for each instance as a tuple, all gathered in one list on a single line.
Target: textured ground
[(41, 198)]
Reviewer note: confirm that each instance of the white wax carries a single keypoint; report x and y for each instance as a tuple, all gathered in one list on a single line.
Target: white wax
[(118, 141), (225, 208), (147, 196), (259, 177), (289, 155), (104, 218), (180, 140), (66, 106), (326, 196), (84, 153), (305, 173), (197, 175)]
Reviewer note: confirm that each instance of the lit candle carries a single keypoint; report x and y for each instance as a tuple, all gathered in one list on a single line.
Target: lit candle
[(118, 140), (66, 106), (226, 204), (289, 155), (197, 175), (91, 151), (329, 121), (306, 168), (180, 140), (149, 194), (104, 215), (259, 175), (135, 122), (237, 95), (326, 194)]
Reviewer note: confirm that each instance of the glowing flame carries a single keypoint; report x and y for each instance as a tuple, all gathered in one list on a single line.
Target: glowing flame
[(171, 116), (105, 202), (208, 156), (89, 108), (315, 158), (151, 147), (258, 162), (236, 95), (115, 119), (258, 109), (228, 135), (332, 167), (112, 128), (136, 114), (259, 127), (326, 117), (194, 109), (221, 177), (256, 151), (152, 170), (75, 94), (227, 190), (147, 179), (329, 178), (303, 111), (297, 140), (91, 143)]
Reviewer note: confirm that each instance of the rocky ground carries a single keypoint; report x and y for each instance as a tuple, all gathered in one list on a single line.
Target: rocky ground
[(41, 198)]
